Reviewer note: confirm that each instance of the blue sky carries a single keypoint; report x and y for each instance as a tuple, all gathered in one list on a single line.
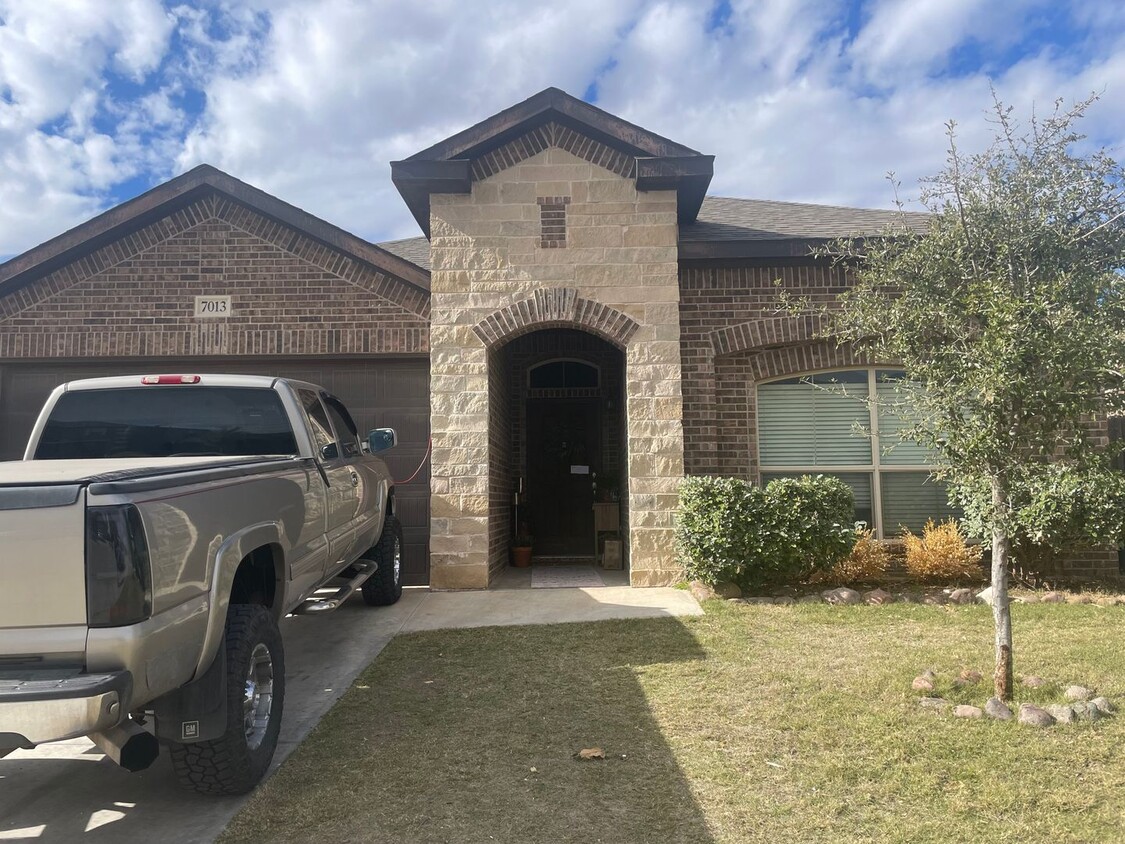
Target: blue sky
[(805, 100)]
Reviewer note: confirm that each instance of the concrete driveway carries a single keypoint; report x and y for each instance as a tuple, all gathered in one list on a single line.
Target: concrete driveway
[(68, 792)]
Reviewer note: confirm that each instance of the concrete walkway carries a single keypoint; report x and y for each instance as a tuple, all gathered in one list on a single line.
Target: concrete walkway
[(67, 792)]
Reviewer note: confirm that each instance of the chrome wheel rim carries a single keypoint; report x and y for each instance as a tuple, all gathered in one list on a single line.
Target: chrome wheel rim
[(257, 699), (398, 559)]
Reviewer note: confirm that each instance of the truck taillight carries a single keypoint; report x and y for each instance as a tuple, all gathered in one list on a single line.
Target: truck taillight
[(118, 576), (170, 379)]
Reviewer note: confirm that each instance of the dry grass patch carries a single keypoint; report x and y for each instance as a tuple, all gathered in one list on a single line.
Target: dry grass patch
[(747, 724)]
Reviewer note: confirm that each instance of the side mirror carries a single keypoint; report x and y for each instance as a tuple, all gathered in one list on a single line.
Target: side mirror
[(381, 439), (330, 452)]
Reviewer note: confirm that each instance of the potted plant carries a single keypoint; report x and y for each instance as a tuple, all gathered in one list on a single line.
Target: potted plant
[(521, 550)]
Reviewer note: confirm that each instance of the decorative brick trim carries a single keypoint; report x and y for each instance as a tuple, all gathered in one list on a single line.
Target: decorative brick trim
[(108, 256), (767, 332), (552, 221), (556, 307), (241, 217), (553, 135)]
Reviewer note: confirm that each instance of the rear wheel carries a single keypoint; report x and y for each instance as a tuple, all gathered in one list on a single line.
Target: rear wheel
[(385, 586), (237, 761)]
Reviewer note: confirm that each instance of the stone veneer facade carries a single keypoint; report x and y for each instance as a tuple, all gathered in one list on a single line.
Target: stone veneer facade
[(492, 280)]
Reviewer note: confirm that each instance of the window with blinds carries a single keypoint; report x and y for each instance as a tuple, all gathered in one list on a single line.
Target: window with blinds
[(826, 423)]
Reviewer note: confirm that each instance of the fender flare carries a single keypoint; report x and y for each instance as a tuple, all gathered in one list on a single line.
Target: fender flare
[(234, 549)]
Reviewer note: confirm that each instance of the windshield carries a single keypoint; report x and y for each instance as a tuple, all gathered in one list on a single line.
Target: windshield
[(174, 421)]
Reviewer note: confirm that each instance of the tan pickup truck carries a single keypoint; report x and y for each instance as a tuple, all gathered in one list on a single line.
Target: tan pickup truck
[(154, 534)]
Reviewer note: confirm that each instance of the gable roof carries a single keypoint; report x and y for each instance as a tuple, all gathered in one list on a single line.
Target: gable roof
[(177, 193), (659, 163)]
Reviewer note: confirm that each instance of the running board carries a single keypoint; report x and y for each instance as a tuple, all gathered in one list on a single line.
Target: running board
[(365, 569)]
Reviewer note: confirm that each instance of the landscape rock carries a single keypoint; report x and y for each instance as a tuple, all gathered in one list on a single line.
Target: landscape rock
[(961, 596), (996, 708), (1029, 599), (1105, 600), (965, 711), (878, 596), (968, 675), (728, 590), (1079, 599), (1033, 682), (1103, 705), (785, 601), (1033, 716), (933, 703), (701, 591), (843, 595), (908, 598), (1062, 713), (921, 684), (1078, 693), (929, 675), (1054, 598), (935, 599), (758, 600), (985, 596), (810, 599), (1084, 710)]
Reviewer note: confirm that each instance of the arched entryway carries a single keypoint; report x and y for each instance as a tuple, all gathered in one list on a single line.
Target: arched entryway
[(557, 445)]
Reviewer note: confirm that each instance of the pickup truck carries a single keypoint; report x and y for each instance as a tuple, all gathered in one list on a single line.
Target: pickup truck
[(153, 536)]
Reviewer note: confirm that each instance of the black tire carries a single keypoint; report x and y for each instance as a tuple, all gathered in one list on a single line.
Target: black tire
[(236, 762), (385, 586)]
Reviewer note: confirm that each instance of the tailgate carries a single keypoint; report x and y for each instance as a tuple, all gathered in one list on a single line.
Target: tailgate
[(42, 574)]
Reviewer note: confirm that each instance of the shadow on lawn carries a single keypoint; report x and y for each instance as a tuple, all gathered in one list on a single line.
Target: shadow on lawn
[(471, 735)]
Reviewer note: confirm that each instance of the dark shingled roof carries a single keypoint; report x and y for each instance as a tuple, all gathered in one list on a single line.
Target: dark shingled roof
[(416, 250), (724, 218)]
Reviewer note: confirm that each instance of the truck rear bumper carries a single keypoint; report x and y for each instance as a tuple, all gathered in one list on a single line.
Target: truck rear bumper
[(43, 706)]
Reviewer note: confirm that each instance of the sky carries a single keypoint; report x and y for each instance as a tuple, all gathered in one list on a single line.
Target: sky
[(801, 100)]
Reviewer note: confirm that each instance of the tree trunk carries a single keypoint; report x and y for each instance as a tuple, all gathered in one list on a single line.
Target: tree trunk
[(1001, 609)]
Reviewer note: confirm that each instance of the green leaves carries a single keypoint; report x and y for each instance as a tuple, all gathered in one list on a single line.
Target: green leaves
[(731, 530), (1010, 311)]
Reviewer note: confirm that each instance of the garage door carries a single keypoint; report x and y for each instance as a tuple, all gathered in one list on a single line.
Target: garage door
[(380, 394)]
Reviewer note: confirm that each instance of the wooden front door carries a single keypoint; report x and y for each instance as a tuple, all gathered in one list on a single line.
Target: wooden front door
[(563, 452)]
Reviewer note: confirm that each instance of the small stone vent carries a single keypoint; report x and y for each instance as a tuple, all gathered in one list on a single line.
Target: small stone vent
[(552, 221)]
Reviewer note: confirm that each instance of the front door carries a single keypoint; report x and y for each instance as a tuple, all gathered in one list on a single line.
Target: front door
[(563, 452)]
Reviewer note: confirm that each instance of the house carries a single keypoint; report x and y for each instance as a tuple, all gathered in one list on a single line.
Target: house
[(579, 320)]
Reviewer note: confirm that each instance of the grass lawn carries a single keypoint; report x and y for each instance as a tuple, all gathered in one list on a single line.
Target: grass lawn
[(747, 724)]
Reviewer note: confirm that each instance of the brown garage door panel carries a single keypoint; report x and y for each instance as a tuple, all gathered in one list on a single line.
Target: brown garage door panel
[(379, 393)]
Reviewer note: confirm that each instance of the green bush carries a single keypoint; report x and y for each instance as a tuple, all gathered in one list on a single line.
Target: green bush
[(731, 530)]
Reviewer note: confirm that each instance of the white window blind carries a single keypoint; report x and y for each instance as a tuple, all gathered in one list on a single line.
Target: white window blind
[(910, 498), (807, 422)]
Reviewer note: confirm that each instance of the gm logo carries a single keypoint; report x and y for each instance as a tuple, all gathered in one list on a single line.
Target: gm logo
[(189, 730)]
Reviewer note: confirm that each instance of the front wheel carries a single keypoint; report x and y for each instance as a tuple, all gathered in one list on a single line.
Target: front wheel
[(385, 586), (235, 762)]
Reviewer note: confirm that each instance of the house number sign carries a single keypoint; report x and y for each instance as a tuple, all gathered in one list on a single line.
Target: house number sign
[(212, 306)]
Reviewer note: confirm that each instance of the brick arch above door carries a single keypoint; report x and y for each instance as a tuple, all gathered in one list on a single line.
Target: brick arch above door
[(556, 307)]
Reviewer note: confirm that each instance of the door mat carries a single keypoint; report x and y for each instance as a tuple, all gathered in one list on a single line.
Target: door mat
[(555, 577)]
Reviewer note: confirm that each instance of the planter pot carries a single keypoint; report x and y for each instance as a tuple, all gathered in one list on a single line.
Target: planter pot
[(521, 556)]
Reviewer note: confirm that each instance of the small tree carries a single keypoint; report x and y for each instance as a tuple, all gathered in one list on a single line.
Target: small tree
[(1007, 307)]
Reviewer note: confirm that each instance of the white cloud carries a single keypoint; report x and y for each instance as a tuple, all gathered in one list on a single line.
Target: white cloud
[(310, 99), (55, 164)]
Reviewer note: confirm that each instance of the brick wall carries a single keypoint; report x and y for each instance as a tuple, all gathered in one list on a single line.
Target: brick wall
[(290, 294), (733, 337)]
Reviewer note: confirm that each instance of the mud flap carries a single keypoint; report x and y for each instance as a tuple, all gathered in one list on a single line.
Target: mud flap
[(197, 711)]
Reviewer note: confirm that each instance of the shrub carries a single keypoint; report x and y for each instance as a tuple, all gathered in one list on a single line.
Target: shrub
[(732, 530), (867, 562), (941, 554)]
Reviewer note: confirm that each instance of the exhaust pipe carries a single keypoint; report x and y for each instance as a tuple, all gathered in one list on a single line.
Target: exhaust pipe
[(129, 745)]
